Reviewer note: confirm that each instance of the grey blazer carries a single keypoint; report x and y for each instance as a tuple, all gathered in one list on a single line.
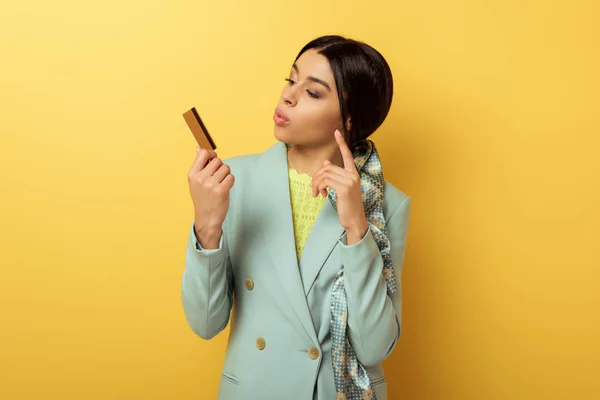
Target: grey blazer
[(279, 343)]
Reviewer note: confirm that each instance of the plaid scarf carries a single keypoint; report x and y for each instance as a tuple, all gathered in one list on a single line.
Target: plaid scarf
[(351, 379)]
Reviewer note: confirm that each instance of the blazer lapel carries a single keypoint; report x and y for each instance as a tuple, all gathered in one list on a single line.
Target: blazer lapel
[(320, 243), (278, 229)]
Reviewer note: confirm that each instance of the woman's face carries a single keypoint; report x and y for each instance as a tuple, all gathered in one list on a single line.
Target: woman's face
[(308, 112)]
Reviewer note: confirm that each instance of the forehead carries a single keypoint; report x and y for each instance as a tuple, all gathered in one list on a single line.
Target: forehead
[(316, 65)]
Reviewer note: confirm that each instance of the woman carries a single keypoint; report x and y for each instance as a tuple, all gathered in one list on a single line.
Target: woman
[(312, 315)]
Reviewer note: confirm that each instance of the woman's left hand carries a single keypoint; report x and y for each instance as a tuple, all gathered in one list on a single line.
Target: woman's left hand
[(346, 183)]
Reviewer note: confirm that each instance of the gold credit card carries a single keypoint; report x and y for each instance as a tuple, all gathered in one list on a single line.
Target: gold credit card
[(199, 130)]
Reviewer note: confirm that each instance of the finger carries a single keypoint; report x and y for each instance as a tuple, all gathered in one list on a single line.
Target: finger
[(228, 182), (314, 186), (324, 186), (314, 178), (317, 191), (202, 156), (328, 169), (336, 182), (328, 166), (221, 173), (333, 169), (346, 153), (317, 178), (212, 166)]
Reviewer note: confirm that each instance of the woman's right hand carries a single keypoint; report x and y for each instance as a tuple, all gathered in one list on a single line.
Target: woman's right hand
[(210, 183)]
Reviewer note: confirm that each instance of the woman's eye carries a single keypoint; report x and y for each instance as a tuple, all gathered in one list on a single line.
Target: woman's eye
[(313, 95), (292, 82)]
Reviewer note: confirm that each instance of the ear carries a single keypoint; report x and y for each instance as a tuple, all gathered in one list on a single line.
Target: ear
[(348, 124)]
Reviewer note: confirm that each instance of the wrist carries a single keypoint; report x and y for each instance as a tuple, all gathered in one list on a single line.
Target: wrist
[(208, 236), (355, 233)]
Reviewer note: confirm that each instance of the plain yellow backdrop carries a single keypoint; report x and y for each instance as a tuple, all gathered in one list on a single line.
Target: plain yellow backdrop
[(493, 133)]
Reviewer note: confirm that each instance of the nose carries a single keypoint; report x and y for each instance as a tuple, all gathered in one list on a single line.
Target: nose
[(289, 96)]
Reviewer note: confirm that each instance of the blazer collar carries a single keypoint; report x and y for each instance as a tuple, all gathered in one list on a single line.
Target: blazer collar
[(278, 231)]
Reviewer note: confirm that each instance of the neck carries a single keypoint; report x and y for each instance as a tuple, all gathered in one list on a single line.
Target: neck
[(308, 160)]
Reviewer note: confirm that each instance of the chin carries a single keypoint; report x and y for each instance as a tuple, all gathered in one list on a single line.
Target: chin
[(281, 134)]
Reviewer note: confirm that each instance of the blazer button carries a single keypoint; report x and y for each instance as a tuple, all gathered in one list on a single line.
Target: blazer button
[(313, 353), (249, 284), (260, 343)]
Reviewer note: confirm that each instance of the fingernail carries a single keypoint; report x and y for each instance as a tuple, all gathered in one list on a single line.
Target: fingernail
[(337, 133), (310, 184), (197, 148)]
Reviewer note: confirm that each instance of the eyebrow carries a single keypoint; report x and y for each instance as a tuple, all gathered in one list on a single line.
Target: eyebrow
[(312, 78)]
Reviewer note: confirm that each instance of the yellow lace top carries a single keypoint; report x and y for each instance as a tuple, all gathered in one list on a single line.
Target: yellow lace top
[(305, 208)]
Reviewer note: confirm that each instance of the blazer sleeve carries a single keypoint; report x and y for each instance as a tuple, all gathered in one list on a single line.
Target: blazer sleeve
[(374, 317), (207, 287)]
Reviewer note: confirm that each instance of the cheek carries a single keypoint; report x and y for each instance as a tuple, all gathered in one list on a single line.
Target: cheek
[(321, 116)]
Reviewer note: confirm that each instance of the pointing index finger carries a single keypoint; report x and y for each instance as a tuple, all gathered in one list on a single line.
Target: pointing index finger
[(346, 153)]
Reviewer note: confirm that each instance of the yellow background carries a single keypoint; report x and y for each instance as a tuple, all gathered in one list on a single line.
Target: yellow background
[(493, 132)]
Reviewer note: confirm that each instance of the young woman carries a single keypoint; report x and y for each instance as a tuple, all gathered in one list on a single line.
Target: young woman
[(305, 250)]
